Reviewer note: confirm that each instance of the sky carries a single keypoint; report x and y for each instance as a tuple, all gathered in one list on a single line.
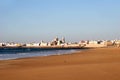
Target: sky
[(36, 20)]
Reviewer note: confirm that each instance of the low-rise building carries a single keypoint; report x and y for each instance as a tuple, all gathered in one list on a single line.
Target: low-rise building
[(109, 43), (96, 44), (117, 43), (0, 44), (93, 42), (33, 44), (83, 42), (42, 43), (73, 45), (11, 44)]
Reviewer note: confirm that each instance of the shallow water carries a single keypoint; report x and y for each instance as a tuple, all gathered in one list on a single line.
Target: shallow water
[(14, 53)]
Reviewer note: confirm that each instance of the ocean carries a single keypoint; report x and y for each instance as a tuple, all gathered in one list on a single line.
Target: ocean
[(15, 53)]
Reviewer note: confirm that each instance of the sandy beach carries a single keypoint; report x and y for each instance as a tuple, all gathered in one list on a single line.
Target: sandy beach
[(92, 64)]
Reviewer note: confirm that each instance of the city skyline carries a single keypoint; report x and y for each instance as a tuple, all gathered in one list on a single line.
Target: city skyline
[(36, 20)]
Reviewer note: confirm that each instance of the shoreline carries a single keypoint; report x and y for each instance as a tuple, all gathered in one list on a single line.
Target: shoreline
[(15, 53), (92, 64), (45, 47), (47, 55)]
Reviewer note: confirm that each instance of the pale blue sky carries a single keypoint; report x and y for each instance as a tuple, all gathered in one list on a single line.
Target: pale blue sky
[(35, 20)]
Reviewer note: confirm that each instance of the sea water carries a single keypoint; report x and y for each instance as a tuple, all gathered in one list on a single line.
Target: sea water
[(14, 53)]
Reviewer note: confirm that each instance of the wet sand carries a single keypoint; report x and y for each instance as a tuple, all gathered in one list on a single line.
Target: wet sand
[(93, 64)]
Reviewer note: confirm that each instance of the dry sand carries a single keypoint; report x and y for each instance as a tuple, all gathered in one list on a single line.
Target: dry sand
[(94, 64)]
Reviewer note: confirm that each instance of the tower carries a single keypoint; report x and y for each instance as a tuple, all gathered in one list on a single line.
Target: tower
[(63, 40), (56, 39)]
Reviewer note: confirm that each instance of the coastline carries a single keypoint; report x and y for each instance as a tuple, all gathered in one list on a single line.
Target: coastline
[(92, 64), (15, 53), (45, 47)]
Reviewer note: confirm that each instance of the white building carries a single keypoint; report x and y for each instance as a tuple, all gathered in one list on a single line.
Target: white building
[(42, 43), (36, 44), (33, 44), (11, 44), (83, 42), (0, 44), (117, 42), (96, 44), (93, 42)]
